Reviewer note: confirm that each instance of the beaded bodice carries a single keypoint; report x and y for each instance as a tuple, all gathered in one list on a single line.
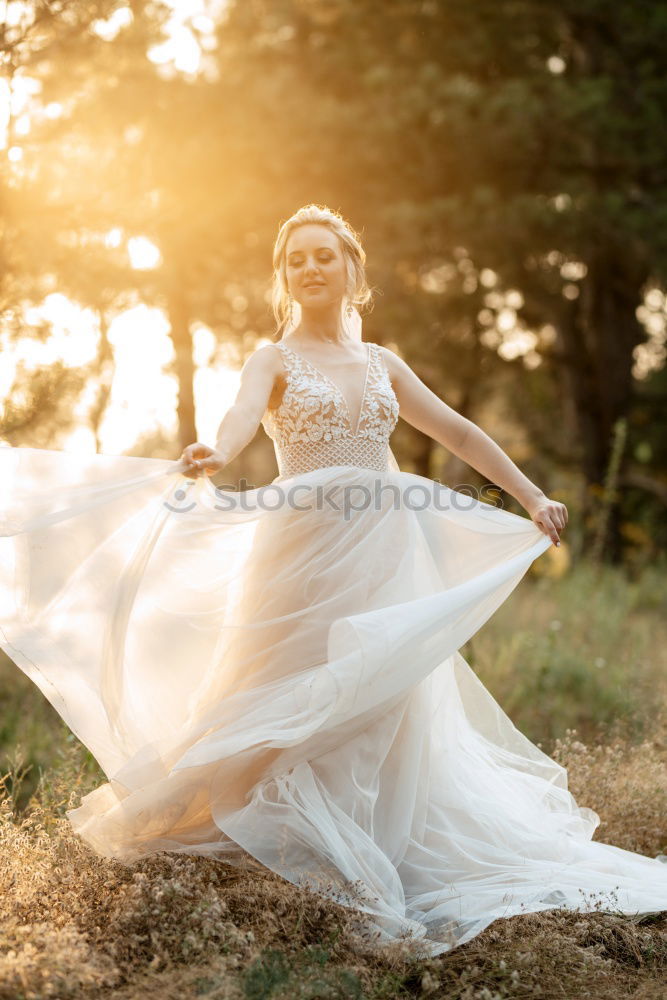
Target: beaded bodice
[(312, 427)]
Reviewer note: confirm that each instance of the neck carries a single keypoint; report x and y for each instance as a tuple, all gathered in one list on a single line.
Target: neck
[(326, 326)]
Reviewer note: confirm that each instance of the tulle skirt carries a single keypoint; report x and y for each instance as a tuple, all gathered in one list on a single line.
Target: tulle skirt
[(276, 673)]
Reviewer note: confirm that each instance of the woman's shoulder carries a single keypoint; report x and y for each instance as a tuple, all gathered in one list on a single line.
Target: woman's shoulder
[(265, 365), (266, 361), (269, 350), (391, 359), (267, 356)]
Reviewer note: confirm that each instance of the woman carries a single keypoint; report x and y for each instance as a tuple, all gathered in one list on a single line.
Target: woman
[(277, 672)]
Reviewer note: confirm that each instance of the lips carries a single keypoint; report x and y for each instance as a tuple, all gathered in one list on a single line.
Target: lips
[(316, 284)]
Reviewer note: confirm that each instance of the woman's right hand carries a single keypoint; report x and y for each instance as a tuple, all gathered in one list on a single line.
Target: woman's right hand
[(198, 458)]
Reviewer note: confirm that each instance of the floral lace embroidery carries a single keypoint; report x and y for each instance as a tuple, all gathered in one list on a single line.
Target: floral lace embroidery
[(311, 426)]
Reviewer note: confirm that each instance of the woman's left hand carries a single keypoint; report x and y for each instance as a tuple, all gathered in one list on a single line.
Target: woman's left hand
[(550, 516)]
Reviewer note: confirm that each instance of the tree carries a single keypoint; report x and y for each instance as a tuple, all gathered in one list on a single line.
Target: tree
[(500, 162)]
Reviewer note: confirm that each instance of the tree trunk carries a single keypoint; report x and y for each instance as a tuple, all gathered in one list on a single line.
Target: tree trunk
[(106, 368), (600, 343), (179, 320)]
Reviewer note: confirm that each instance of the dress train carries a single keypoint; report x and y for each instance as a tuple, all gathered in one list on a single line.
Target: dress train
[(283, 678)]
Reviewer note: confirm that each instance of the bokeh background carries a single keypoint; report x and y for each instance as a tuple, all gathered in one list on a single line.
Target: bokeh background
[(505, 166)]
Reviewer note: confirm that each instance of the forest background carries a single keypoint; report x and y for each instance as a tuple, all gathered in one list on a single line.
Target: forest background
[(504, 163), (506, 168)]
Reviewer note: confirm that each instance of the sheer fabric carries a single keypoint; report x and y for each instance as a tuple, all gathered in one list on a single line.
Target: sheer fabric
[(278, 672)]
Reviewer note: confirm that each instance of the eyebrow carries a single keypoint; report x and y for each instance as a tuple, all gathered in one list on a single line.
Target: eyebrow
[(317, 248)]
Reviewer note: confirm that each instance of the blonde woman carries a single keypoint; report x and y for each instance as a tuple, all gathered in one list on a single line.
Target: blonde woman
[(274, 676)]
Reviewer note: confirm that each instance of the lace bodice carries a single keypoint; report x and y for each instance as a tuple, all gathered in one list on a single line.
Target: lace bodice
[(312, 428)]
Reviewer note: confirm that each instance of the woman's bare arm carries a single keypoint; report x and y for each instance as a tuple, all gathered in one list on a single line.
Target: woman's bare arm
[(421, 408), (241, 421)]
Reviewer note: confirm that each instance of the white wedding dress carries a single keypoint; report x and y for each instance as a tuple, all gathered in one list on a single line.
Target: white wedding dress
[(277, 670)]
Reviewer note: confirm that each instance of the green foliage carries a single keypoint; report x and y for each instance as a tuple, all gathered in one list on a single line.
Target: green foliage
[(586, 651), (467, 143), (274, 975)]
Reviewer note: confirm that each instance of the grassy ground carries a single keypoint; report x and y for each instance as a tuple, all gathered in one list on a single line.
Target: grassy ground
[(577, 662)]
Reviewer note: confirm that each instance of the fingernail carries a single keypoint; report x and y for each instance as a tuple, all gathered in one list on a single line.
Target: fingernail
[(557, 543)]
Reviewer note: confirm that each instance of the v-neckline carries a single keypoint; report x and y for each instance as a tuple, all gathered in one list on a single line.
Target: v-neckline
[(354, 431)]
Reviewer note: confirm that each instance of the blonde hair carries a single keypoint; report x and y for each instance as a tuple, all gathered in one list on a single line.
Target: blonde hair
[(357, 291)]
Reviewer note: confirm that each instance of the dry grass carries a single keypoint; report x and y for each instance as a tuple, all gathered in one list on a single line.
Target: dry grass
[(79, 926), (626, 783), (586, 651)]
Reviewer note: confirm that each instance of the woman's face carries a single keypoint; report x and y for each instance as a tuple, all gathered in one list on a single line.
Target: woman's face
[(315, 267)]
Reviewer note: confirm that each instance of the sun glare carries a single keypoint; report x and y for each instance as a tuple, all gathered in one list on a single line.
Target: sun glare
[(143, 254), (144, 395), (190, 32)]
